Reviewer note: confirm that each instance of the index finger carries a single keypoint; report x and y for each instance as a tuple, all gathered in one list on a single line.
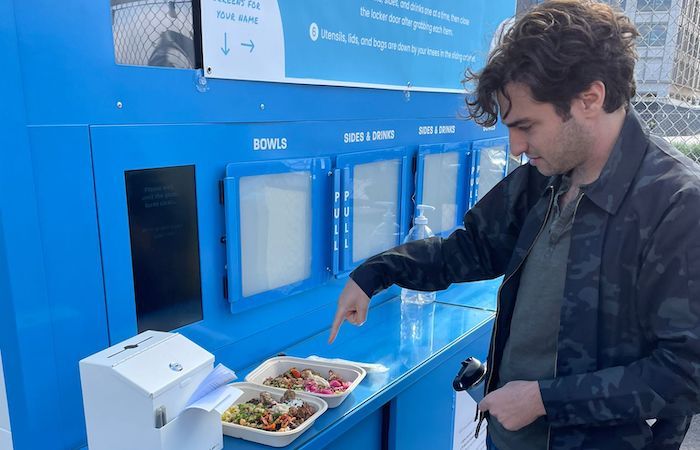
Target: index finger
[(337, 322)]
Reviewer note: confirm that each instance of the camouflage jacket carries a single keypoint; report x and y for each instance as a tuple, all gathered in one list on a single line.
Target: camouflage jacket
[(629, 338)]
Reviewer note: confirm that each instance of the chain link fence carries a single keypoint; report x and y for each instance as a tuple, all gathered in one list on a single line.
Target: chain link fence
[(668, 70), (153, 33)]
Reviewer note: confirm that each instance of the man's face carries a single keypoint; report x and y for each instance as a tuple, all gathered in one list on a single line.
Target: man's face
[(552, 145)]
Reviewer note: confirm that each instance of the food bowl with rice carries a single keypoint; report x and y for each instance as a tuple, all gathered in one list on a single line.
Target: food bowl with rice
[(270, 416)]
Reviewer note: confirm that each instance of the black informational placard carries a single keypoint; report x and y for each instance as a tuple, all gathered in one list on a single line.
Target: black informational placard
[(162, 205)]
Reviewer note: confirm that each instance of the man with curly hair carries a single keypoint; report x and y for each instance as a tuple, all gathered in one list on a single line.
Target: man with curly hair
[(596, 342)]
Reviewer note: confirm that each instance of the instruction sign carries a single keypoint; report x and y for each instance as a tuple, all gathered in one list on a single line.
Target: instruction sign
[(391, 44), (463, 436)]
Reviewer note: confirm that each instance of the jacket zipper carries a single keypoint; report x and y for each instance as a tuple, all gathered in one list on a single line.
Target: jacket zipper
[(556, 353), (481, 415)]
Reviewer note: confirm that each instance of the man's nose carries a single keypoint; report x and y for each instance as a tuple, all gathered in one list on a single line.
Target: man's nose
[(518, 142)]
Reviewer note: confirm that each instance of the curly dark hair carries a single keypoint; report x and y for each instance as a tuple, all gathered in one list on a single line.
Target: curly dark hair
[(558, 48)]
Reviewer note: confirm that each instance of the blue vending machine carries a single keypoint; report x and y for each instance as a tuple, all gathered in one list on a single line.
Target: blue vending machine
[(217, 168)]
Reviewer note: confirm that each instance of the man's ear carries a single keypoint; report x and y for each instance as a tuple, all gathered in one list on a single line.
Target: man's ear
[(591, 101)]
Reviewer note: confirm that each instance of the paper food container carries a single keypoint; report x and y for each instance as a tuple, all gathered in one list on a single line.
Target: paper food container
[(278, 365), (271, 438)]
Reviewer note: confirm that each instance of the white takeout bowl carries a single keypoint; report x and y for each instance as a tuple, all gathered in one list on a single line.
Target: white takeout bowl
[(271, 438), (280, 364)]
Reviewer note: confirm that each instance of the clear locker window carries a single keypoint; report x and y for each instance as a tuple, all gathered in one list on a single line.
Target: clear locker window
[(375, 208), (440, 190), (275, 221), (154, 33), (492, 165)]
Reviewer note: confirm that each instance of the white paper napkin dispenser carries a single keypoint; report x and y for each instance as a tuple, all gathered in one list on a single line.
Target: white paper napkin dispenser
[(135, 393)]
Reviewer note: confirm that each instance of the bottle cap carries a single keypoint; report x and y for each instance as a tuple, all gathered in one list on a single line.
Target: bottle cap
[(421, 219)]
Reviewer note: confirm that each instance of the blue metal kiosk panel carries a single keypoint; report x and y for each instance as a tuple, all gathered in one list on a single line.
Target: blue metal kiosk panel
[(119, 149), (319, 170), (64, 188), (365, 435), (25, 318)]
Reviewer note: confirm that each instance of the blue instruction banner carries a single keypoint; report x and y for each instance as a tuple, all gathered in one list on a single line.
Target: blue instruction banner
[(391, 44)]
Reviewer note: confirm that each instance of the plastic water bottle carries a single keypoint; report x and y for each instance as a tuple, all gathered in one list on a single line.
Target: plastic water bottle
[(419, 230), (417, 331)]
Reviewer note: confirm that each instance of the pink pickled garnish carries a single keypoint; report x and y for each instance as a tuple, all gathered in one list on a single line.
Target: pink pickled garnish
[(335, 384), (326, 391)]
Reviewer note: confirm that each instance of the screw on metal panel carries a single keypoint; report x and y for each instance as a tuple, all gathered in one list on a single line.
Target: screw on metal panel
[(120, 105), (177, 367), (200, 81), (262, 106), (407, 92), (330, 173), (208, 69)]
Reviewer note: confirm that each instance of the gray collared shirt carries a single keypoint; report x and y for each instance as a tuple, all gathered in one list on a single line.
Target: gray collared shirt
[(531, 348)]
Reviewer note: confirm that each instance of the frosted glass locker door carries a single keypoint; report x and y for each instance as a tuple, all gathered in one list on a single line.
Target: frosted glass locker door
[(492, 156), (442, 181), (374, 192), (275, 213)]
